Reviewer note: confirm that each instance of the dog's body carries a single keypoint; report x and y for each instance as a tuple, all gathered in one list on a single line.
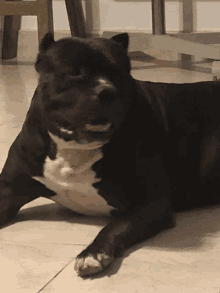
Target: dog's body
[(100, 142)]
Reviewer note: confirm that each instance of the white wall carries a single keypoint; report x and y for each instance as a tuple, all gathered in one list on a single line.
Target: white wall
[(135, 15), (102, 15)]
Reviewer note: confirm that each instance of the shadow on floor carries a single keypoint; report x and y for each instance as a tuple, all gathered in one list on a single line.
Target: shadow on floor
[(195, 230)]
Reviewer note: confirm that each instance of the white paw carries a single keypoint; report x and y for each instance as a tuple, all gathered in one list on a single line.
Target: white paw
[(89, 265)]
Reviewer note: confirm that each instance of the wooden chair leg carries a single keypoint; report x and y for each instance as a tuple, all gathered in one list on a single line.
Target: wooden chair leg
[(216, 70), (44, 18), (12, 25), (76, 18), (158, 17)]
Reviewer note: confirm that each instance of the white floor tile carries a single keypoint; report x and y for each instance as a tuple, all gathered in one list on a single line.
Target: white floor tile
[(27, 267), (185, 259)]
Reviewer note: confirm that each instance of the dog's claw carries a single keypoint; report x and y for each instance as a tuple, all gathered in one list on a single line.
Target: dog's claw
[(89, 265)]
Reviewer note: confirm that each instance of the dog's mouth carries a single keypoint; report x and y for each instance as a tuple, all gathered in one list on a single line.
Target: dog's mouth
[(88, 135), (98, 128)]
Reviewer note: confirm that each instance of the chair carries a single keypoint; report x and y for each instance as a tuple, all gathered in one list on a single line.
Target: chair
[(43, 10), (182, 43), (216, 70)]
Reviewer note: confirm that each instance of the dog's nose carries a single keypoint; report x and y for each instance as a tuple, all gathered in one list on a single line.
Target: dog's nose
[(107, 95), (105, 91)]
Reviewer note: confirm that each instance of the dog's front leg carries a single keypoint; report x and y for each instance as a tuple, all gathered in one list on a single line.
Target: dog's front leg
[(17, 188), (116, 237), (9, 205), (14, 195), (11, 200)]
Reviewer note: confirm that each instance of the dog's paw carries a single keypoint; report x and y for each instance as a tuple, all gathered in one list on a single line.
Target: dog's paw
[(87, 264)]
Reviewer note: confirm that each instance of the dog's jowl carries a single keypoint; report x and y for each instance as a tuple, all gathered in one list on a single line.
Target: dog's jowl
[(102, 143)]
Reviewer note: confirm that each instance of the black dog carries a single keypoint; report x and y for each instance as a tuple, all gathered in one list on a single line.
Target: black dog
[(99, 141)]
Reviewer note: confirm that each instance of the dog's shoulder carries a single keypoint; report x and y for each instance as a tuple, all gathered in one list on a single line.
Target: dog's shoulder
[(150, 106)]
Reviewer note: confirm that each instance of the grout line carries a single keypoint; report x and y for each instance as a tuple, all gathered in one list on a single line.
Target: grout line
[(55, 275)]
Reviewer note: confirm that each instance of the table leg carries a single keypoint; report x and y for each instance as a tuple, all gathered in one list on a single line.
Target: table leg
[(76, 18), (12, 25), (158, 17)]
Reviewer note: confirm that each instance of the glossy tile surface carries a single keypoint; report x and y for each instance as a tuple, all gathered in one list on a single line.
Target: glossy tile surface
[(38, 248)]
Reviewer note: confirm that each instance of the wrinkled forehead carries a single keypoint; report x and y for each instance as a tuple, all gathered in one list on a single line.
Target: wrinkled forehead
[(88, 52)]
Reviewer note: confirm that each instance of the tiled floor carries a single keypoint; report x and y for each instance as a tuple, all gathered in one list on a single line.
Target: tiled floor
[(37, 251)]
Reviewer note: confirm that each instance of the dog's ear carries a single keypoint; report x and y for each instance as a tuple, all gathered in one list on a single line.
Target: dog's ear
[(46, 42), (122, 39), (45, 65)]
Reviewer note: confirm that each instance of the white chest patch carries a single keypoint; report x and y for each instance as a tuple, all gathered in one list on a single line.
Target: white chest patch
[(71, 177)]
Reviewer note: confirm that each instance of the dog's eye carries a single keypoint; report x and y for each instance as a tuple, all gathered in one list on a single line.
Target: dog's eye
[(77, 72)]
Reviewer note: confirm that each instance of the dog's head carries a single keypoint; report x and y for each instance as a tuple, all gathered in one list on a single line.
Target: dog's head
[(84, 86)]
